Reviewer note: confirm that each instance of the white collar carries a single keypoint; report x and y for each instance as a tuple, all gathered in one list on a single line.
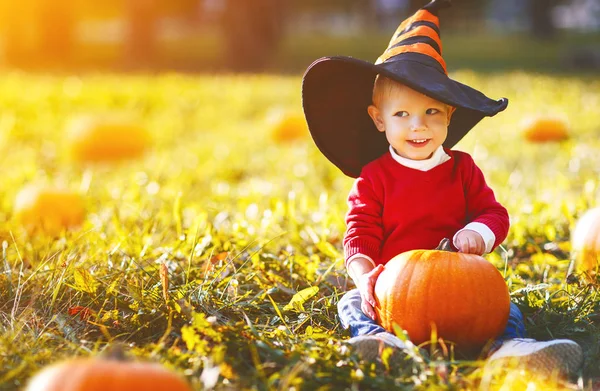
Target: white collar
[(439, 156)]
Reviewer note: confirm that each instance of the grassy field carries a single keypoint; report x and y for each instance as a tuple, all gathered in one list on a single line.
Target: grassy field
[(238, 223)]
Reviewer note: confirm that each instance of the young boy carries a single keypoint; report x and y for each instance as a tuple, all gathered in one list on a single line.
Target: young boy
[(390, 125)]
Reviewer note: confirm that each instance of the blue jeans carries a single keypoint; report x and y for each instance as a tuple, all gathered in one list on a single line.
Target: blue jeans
[(352, 317)]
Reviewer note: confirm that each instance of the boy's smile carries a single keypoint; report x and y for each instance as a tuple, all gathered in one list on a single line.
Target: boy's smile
[(415, 125)]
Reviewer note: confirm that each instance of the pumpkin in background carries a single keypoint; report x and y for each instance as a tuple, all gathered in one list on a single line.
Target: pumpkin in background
[(585, 241), (289, 128), (545, 129), (463, 295), (106, 139), (49, 209), (103, 375)]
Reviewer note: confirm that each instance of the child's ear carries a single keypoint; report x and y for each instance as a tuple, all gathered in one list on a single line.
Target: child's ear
[(451, 110), (375, 115)]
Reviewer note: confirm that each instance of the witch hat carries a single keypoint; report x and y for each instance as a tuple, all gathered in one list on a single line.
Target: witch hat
[(336, 92)]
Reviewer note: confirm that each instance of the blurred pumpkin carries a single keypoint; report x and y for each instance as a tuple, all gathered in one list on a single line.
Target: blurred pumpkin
[(288, 128), (107, 139), (461, 296), (49, 209), (585, 241), (101, 375), (541, 129)]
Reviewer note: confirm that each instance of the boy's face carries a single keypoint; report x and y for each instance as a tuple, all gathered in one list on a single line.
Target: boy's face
[(415, 125)]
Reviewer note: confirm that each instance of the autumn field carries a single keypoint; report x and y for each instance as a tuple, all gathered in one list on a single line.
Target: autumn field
[(192, 255)]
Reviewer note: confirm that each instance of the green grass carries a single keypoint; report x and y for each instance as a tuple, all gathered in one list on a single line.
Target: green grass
[(242, 223)]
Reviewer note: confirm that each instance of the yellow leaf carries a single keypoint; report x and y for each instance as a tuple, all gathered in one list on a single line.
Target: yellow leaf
[(84, 281), (550, 232), (112, 287), (309, 331), (300, 298)]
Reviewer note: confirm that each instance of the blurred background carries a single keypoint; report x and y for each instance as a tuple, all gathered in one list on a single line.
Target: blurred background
[(285, 36)]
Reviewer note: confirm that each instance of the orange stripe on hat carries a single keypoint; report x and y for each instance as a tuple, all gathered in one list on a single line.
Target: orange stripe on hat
[(424, 31), (421, 48), (419, 16)]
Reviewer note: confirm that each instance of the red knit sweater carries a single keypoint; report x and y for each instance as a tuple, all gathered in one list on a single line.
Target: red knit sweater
[(394, 208)]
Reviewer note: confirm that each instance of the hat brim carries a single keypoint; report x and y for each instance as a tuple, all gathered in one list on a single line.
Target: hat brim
[(336, 92)]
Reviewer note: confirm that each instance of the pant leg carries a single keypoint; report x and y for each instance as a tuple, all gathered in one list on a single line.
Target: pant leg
[(515, 327), (352, 317)]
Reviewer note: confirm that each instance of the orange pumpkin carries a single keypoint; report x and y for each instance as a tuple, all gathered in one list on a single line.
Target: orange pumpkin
[(49, 209), (462, 296), (585, 241), (545, 129), (94, 140), (101, 375), (289, 128)]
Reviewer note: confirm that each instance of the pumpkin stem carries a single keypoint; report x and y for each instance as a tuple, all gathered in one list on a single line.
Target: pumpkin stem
[(445, 246), (115, 352)]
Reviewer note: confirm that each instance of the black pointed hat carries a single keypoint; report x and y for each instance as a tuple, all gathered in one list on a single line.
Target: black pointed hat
[(336, 92)]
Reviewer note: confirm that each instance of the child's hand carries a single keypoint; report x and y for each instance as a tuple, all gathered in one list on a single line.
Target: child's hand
[(366, 286), (470, 242)]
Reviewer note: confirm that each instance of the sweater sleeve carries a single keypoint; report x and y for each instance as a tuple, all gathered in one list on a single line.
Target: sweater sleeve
[(482, 206), (364, 226)]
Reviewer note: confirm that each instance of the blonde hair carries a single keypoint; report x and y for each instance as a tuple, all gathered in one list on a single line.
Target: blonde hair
[(383, 86)]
